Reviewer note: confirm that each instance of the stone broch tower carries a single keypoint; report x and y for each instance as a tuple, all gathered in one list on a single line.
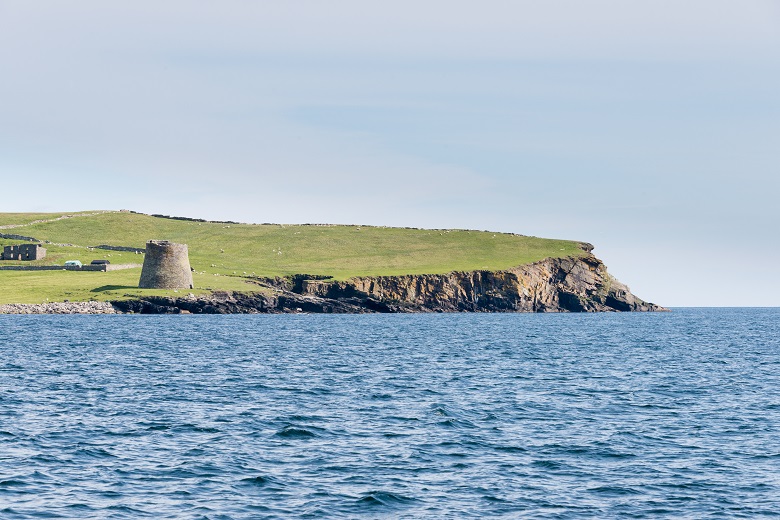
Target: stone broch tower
[(166, 266)]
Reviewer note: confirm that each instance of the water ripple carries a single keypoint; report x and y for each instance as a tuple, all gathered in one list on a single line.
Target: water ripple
[(420, 416)]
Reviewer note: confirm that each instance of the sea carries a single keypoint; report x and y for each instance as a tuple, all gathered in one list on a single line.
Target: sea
[(636, 415)]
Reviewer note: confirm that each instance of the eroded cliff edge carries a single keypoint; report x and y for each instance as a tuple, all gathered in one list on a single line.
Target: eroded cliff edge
[(574, 284)]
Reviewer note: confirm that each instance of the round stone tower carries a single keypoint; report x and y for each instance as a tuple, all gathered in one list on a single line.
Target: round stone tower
[(166, 266)]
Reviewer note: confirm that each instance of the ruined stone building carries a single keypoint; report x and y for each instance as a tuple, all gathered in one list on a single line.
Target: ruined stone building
[(166, 266), (23, 252)]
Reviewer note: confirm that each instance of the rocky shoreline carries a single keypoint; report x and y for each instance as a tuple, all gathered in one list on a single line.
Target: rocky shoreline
[(579, 284), (574, 284), (59, 308)]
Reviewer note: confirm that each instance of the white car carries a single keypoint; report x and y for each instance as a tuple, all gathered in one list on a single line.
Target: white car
[(73, 263)]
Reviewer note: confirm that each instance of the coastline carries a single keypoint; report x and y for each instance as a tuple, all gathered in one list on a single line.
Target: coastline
[(91, 307), (573, 284)]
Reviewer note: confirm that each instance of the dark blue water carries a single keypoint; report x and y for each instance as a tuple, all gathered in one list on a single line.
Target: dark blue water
[(406, 416)]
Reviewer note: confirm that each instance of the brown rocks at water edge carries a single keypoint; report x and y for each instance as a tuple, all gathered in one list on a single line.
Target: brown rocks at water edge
[(575, 284)]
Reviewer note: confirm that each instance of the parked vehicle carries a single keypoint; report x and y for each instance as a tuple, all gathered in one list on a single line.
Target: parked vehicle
[(99, 262), (73, 263)]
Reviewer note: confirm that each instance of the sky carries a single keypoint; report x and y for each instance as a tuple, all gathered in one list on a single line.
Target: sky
[(648, 128)]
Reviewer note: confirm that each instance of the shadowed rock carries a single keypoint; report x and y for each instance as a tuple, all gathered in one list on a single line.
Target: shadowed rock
[(575, 284)]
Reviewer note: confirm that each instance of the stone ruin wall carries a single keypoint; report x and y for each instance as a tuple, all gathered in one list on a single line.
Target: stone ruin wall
[(23, 252), (166, 266)]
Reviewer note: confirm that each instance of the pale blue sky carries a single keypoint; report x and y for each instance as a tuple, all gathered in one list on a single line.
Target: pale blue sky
[(649, 128)]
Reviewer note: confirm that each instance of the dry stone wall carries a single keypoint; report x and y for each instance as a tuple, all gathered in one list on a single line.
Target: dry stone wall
[(97, 268), (166, 266)]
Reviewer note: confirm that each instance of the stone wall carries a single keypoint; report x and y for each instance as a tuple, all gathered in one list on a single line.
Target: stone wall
[(96, 268), (120, 248), (24, 252), (52, 268), (18, 237), (166, 266)]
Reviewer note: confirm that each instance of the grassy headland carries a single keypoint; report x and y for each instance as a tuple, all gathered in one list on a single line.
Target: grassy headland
[(225, 256)]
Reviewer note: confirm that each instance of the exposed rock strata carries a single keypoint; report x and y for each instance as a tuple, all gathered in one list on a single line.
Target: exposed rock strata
[(551, 285)]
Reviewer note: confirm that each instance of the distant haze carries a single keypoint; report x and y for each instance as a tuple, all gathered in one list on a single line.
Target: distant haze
[(649, 128)]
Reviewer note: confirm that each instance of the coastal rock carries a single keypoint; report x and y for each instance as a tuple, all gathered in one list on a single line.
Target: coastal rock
[(58, 308), (574, 284), (552, 285)]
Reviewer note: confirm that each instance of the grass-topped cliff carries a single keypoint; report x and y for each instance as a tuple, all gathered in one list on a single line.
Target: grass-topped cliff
[(224, 256)]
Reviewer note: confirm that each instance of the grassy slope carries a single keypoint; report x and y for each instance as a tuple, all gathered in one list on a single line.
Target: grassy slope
[(57, 286), (26, 218), (262, 250)]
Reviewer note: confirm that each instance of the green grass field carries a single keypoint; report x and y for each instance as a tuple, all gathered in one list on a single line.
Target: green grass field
[(222, 254), (7, 219), (58, 286)]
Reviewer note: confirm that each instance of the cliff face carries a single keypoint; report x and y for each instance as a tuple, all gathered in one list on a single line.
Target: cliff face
[(551, 285)]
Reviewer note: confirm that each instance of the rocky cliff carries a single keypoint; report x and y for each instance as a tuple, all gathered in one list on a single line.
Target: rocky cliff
[(575, 284)]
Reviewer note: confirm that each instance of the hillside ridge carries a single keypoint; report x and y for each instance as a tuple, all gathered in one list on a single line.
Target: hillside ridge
[(404, 269)]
